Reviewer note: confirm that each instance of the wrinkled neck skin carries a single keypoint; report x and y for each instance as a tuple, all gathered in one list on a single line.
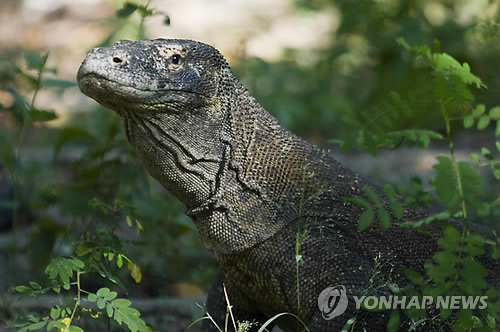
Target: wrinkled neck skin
[(215, 159), (179, 148)]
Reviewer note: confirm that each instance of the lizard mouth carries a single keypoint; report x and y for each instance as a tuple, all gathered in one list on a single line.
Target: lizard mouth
[(91, 83), (104, 90)]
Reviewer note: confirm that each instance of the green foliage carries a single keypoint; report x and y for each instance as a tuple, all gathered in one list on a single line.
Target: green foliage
[(62, 268), (144, 11), (60, 272), (455, 269), (118, 309), (81, 203), (446, 184), (375, 205), (359, 87), (457, 185)]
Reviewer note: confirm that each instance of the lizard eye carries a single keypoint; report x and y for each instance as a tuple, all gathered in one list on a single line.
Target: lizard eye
[(176, 59)]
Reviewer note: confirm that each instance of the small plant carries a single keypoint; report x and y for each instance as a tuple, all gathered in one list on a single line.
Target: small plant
[(454, 269), (242, 326), (94, 251), (65, 272)]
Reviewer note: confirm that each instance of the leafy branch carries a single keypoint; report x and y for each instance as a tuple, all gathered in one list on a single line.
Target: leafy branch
[(60, 272)]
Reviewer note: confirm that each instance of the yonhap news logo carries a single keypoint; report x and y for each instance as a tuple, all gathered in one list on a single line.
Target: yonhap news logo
[(332, 302)]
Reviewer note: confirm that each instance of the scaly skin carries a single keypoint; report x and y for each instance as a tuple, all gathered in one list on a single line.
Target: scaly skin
[(251, 186)]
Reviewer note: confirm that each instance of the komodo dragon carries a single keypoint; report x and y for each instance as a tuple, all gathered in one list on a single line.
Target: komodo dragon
[(256, 192)]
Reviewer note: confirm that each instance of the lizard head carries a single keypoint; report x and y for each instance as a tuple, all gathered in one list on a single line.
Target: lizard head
[(167, 92), (152, 75)]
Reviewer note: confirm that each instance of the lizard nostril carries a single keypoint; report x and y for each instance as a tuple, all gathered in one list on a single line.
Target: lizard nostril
[(117, 60)]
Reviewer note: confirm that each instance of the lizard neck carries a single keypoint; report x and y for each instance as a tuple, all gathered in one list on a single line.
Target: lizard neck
[(178, 152)]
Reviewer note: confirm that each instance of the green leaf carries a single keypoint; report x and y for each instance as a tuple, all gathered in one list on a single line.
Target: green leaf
[(394, 288), (111, 295), (446, 64), (472, 269), (130, 317), (34, 285), (471, 184), (55, 312), (491, 321), (475, 157), (119, 261), (23, 289), (497, 129), (486, 153), (109, 310), (495, 113), (414, 137), (348, 324), (445, 313), (359, 202), (394, 321), (35, 60), (101, 269), (55, 83), (445, 184), (42, 116), (63, 268), (127, 9), (365, 220), (20, 106), (103, 292), (145, 11), (440, 274), (397, 209), (484, 209), (414, 276), (445, 258), (372, 195), (450, 240), (383, 218), (101, 303), (92, 297), (139, 226), (478, 111), (468, 121), (73, 328), (56, 324), (121, 303), (55, 286), (389, 191), (483, 122), (37, 326)]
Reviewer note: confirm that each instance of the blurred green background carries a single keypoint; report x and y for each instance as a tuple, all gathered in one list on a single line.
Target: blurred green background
[(325, 69)]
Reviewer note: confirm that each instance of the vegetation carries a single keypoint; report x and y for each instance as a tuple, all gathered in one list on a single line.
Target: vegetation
[(85, 217)]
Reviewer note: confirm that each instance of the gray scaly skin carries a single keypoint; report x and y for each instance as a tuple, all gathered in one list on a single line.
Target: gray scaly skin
[(255, 191)]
